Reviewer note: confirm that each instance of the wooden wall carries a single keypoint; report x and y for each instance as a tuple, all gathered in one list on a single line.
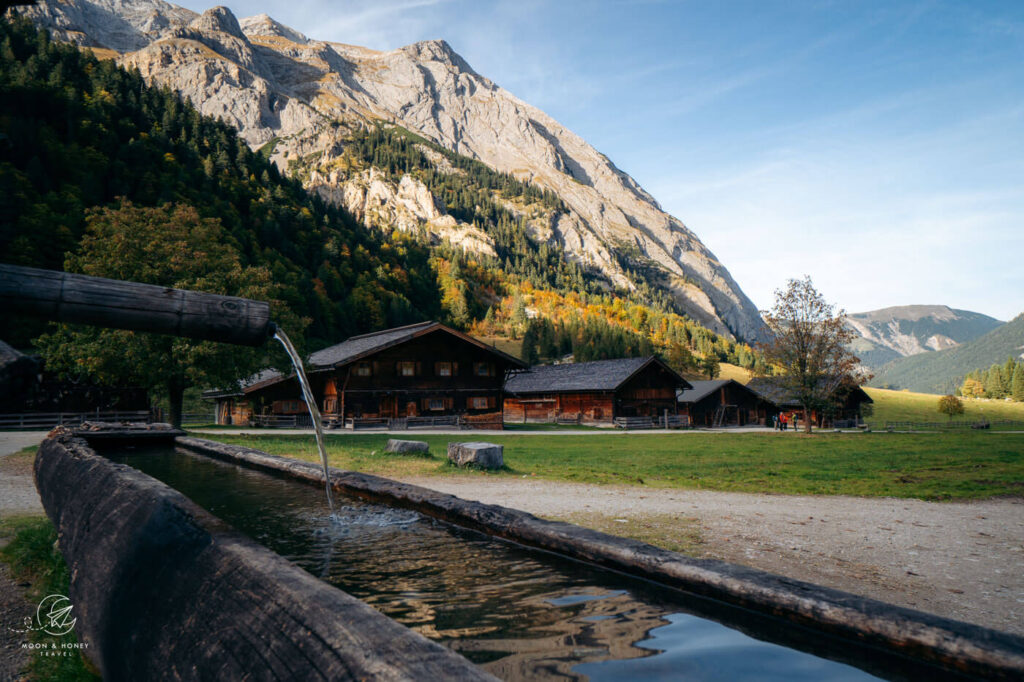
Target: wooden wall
[(749, 409), (588, 408)]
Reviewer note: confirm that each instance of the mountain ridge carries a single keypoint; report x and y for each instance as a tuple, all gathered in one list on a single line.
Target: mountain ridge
[(273, 83), (943, 371), (887, 334)]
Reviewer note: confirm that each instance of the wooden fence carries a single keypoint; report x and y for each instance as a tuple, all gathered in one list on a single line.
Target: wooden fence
[(48, 420), (944, 425)]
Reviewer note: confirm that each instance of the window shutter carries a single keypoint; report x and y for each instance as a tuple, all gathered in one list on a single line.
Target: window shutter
[(426, 403), (455, 369), (419, 371), (449, 403), (492, 401)]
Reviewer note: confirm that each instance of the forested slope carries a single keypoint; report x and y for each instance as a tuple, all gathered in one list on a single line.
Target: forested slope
[(77, 132)]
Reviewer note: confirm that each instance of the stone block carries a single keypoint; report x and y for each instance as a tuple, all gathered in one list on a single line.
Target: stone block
[(415, 447), (483, 455)]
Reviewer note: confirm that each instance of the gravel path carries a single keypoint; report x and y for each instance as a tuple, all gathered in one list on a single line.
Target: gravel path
[(17, 489), (17, 496), (961, 560)]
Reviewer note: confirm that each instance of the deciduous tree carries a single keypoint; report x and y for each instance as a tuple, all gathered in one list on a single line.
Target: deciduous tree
[(680, 358), (171, 246), (950, 405), (810, 347)]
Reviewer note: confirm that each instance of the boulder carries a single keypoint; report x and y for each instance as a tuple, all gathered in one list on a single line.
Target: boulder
[(483, 455), (407, 446)]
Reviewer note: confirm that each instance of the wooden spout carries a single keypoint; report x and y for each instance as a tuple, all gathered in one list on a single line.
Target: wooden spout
[(79, 299)]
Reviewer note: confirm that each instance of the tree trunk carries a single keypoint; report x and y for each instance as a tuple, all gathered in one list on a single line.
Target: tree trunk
[(807, 421), (175, 398)]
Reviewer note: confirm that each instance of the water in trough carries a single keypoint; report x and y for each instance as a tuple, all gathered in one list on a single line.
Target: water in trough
[(519, 613)]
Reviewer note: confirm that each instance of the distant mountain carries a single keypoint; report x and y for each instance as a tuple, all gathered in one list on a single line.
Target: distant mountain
[(302, 101), (891, 333), (942, 371)]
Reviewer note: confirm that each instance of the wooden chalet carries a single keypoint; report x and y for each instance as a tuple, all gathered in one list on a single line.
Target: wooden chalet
[(597, 392), (845, 410), (419, 375), (724, 402)]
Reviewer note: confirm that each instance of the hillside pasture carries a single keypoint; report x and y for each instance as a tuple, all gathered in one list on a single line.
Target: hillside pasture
[(904, 406), (939, 466)]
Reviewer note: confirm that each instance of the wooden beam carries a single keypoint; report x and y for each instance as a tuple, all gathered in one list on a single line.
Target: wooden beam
[(79, 299)]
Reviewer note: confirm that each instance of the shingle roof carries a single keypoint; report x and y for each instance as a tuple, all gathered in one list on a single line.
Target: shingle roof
[(770, 388), (356, 347), (262, 377), (15, 363), (700, 390), (600, 375)]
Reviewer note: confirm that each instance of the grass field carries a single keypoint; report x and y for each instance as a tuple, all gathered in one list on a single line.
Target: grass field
[(959, 465), (923, 407)]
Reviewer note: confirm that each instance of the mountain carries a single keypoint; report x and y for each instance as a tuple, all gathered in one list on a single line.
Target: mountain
[(890, 333), (301, 101), (943, 371), (77, 135)]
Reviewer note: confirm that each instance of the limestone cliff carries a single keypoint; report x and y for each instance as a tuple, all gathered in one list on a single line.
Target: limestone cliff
[(303, 96)]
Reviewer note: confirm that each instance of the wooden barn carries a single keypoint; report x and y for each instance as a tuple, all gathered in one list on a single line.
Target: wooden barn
[(593, 392), (724, 402), (419, 375), (844, 411)]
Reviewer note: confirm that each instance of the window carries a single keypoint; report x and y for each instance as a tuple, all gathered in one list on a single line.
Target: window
[(364, 369), (479, 403), (443, 369), (436, 404), (483, 369), (406, 369)]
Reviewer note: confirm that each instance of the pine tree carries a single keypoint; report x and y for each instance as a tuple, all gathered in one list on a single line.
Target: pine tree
[(1017, 386), (994, 386), (529, 352)]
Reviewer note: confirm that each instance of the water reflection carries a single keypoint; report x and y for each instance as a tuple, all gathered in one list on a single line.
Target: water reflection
[(520, 615)]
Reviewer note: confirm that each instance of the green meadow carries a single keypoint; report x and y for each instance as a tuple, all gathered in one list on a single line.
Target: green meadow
[(932, 466), (923, 407)]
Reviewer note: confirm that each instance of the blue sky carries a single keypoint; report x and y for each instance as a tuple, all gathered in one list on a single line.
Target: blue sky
[(876, 146)]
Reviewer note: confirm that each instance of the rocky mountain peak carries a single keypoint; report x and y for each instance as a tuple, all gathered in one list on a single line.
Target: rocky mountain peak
[(306, 96), (220, 19), (120, 25), (264, 25), (438, 51)]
